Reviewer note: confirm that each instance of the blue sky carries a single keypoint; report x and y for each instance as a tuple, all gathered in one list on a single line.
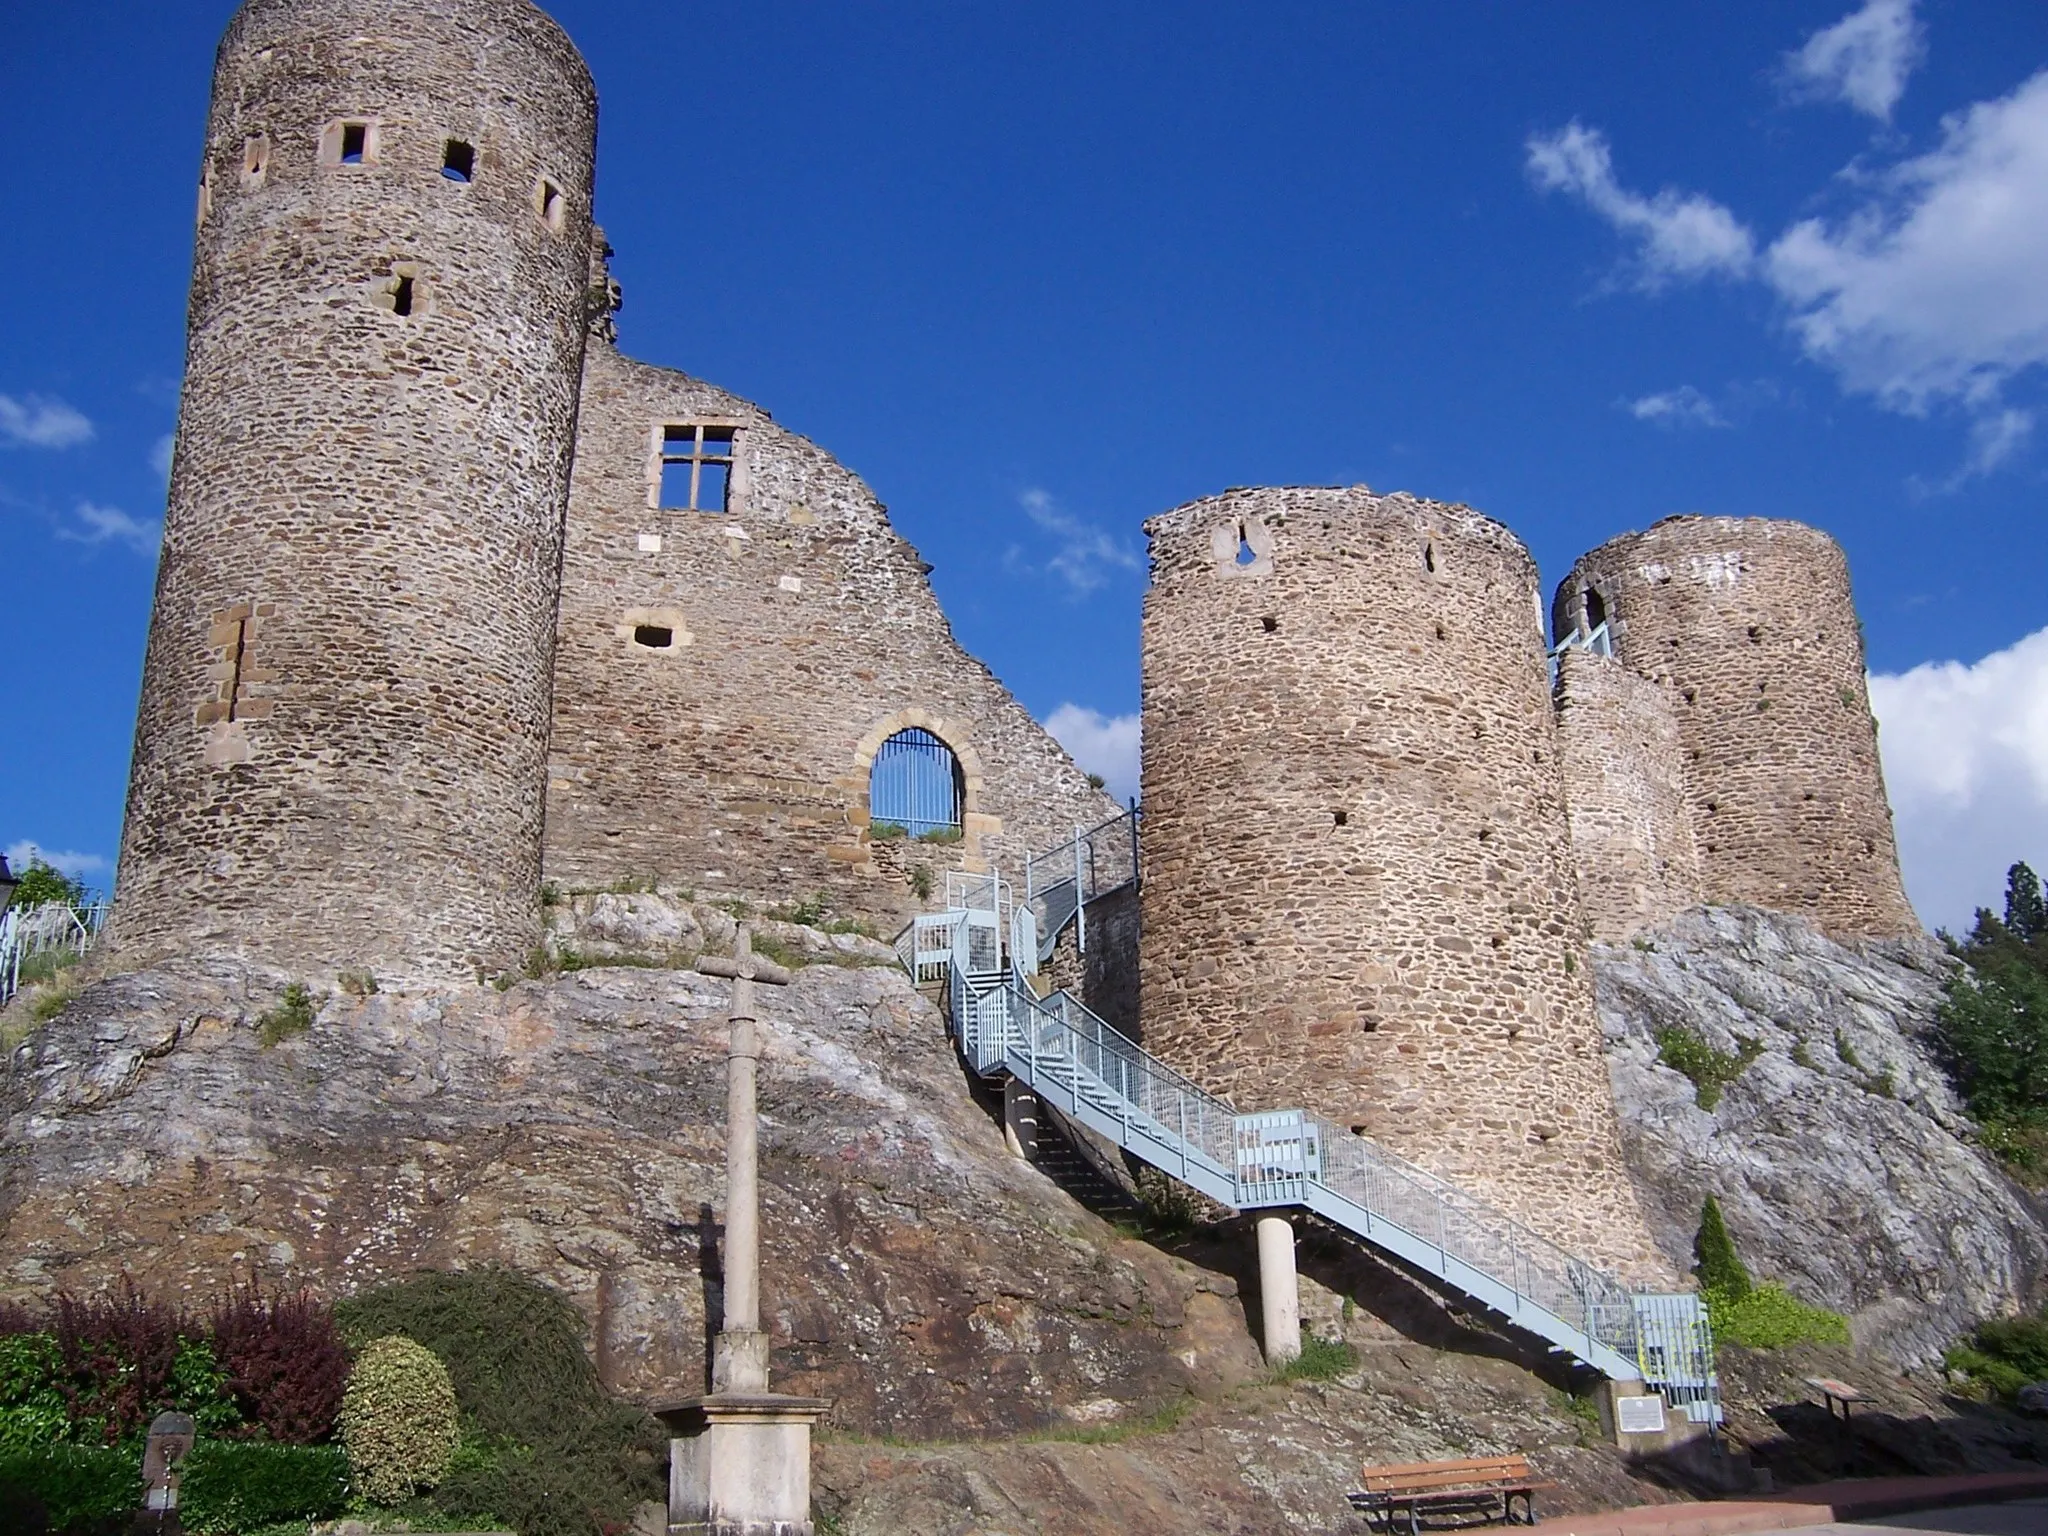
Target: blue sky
[(1040, 272)]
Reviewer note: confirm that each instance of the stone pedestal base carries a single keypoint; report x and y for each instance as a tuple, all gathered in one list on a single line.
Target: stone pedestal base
[(740, 1464)]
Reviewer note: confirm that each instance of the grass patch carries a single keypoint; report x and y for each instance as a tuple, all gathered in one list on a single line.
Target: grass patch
[(1771, 1317), (886, 831), (54, 996), (1711, 1070), (1846, 1053), (1802, 1057), (1158, 1423), (941, 835), (921, 883), (292, 1017), (1319, 1360)]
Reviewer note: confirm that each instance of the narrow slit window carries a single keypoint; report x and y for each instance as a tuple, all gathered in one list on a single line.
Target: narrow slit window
[(458, 161), (255, 159), (355, 140), (1429, 558), (401, 297), (697, 468), (1246, 555)]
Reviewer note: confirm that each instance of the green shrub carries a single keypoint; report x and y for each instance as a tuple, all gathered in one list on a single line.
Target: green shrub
[(550, 1453), (921, 882), (1715, 1261), (1319, 1360), (1770, 1317), (398, 1419), (2004, 1354), (33, 1409), (79, 1487), (236, 1486), (1711, 1070), (942, 835), (293, 1015)]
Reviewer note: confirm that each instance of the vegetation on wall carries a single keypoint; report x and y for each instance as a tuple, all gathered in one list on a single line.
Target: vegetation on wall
[(1992, 1031), (1711, 1070)]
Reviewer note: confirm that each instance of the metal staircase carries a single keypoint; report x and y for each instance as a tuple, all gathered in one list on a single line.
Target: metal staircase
[(986, 949)]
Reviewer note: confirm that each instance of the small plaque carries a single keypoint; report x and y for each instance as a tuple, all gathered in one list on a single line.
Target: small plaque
[(1640, 1415), (650, 543), (791, 583)]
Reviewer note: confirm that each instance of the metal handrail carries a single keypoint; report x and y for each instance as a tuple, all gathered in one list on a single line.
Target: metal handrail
[(49, 927)]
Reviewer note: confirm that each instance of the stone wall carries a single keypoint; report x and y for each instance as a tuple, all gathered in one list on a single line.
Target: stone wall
[(1105, 977), (1749, 625), (803, 633), (1624, 779), (344, 716), (1357, 887)]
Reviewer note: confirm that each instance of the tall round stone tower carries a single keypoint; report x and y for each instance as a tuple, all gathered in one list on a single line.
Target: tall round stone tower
[(339, 759), (1358, 895), (1749, 623)]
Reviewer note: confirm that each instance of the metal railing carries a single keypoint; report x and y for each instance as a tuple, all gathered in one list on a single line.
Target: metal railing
[(1597, 641), (49, 930), (1060, 882), (1091, 1073)]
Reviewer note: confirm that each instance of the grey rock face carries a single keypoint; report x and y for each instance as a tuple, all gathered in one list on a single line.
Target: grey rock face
[(1840, 1155)]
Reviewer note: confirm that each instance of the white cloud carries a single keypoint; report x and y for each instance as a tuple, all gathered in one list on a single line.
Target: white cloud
[(1677, 234), (1965, 750), (1862, 60), (160, 455), (1935, 289), (1680, 407), (76, 865), (100, 525), (1104, 744), (1083, 555), (34, 421)]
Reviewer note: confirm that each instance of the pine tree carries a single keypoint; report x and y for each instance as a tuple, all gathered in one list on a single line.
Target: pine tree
[(1715, 1261), (2026, 916)]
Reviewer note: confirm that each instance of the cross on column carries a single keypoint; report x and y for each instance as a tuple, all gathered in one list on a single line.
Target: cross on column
[(739, 1357)]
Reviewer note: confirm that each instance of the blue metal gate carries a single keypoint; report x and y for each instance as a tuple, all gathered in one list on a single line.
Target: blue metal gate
[(916, 784)]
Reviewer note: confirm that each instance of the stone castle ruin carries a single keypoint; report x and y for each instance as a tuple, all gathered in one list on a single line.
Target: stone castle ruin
[(456, 600)]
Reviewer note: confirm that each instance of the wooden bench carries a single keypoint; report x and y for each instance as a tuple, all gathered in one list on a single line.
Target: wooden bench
[(1477, 1491)]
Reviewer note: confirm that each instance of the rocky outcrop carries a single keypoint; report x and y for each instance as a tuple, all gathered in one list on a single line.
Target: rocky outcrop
[(987, 1342), (1840, 1155)]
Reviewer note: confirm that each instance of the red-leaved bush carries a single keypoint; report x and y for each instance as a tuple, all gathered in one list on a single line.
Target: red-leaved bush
[(285, 1361), (118, 1352)]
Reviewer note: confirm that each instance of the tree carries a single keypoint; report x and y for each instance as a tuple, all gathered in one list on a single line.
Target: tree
[(1992, 1030), (41, 884), (1715, 1261), (2026, 915)]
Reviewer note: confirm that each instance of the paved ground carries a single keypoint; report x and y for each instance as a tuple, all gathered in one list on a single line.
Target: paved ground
[(2021, 1517)]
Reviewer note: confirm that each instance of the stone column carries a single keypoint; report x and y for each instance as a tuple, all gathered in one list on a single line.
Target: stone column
[(1279, 1294), (740, 1458)]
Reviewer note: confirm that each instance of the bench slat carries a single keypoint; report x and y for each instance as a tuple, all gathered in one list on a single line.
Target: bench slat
[(1511, 1464)]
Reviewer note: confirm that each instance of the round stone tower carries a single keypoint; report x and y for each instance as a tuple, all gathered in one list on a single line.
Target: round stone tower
[(339, 759), (1749, 623), (1358, 895)]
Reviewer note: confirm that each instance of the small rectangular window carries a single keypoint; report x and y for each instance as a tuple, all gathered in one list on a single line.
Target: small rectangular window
[(548, 203), (458, 161), (355, 138), (697, 468), (401, 297), (655, 637)]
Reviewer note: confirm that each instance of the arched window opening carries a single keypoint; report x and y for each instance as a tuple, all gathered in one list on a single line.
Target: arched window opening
[(916, 788), (1596, 610)]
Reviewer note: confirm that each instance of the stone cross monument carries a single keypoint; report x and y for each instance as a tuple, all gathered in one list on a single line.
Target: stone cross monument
[(740, 1458)]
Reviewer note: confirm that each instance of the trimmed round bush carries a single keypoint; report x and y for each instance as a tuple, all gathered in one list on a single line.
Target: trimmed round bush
[(398, 1420)]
